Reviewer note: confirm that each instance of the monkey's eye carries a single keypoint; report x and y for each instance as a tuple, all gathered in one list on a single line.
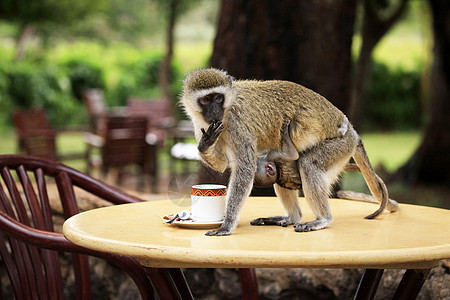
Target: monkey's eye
[(204, 101), (218, 98)]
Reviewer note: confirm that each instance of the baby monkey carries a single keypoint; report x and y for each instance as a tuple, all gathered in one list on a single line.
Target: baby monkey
[(281, 166)]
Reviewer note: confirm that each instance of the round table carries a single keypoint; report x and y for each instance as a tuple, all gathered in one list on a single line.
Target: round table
[(415, 237)]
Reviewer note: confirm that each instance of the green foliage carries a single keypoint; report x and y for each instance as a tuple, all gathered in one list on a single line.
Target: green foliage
[(48, 11), (55, 82), (83, 75), (393, 99), (140, 79), (26, 85)]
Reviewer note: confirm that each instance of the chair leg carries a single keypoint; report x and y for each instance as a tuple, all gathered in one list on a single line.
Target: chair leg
[(369, 283), (411, 284), (249, 284), (169, 283), (180, 281), (87, 157), (161, 283), (154, 171)]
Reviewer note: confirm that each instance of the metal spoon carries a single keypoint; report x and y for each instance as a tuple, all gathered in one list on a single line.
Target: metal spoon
[(183, 215)]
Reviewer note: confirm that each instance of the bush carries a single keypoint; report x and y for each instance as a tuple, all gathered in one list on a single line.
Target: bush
[(26, 85), (141, 79), (392, 100), (83, 75)]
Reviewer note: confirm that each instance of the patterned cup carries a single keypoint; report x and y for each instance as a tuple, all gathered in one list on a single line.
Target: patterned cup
[(208, 202)]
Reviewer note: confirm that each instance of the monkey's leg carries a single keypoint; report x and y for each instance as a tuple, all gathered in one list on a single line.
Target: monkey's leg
[(316, 186), (239, 188), (319, 168), (289, 200)]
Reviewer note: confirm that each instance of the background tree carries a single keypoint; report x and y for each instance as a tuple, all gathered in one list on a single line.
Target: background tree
[(378, 19), (308, 42), (431, 161), (173, 9), (29, 15)]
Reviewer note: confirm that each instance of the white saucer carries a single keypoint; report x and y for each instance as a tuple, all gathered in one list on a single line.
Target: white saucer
[(191, 223), (198, 224)]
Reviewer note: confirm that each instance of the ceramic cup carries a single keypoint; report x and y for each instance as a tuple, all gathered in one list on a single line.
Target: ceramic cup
[(208, 202)]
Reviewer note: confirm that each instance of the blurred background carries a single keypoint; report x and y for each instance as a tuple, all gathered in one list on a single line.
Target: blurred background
[(386, 64)]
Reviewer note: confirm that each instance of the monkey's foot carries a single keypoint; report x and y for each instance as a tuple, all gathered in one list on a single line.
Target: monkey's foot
[(283, 221), (312, 225), (219, 232)]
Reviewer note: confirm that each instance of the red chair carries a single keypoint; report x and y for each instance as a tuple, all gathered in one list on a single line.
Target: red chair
[(158, 113), (29, 246), (35, 136), (124, 143)]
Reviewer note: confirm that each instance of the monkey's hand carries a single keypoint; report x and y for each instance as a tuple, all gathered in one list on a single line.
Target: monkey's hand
[(220, 232), (285, 128), (210, 136)]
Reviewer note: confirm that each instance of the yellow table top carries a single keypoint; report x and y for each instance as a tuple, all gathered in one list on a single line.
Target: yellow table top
[(413, 237)]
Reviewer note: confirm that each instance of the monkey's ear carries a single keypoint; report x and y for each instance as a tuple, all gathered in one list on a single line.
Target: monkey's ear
[(230, 79), (271, 169)]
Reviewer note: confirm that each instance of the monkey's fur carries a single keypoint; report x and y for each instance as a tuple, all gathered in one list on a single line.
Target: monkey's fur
[(252, 113)]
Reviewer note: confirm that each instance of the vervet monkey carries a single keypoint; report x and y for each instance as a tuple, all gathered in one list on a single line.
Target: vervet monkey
[(252, 113)]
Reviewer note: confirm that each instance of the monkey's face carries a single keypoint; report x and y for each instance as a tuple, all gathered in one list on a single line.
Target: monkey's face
[(266, 174), (212, 107), (207, 93)]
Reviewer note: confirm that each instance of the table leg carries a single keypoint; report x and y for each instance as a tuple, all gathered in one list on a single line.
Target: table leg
[(368, 284), (411, 284), (169, 284), (249, 284)]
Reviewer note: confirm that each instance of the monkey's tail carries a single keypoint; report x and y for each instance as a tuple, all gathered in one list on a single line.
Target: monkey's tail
[(374, 182), (356, 196)]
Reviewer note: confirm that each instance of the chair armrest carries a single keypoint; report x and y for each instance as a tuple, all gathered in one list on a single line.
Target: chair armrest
[(94, 140), (166, 123), (37, 237), (42, 238)]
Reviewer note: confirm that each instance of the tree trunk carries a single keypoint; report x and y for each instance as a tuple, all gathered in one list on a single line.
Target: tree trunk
[(164, 72), (431, 161), (26, 33), (373, 29), (308, 42)]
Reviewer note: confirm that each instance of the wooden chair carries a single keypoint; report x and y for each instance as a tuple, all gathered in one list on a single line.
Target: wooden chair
[(29, 246), (158, 114), (96, 108), (35, 136), (166, 130), (124, 143)]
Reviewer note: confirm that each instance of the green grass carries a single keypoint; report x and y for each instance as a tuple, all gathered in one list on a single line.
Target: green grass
[(193, 55), (390, 149), (387, 151)]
